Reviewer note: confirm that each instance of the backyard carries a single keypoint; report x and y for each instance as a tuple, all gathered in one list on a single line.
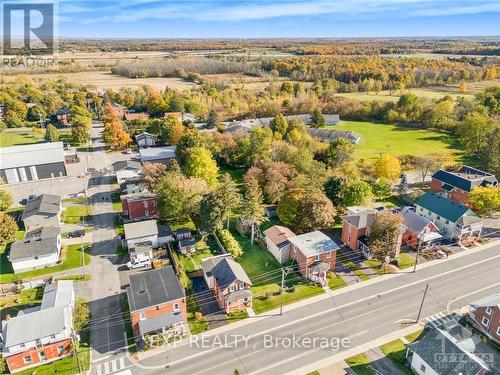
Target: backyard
[(12, 304), (71, 257), (76, 213), (384, 138)]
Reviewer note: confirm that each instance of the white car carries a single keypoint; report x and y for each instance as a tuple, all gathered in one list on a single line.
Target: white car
[(139, 261)]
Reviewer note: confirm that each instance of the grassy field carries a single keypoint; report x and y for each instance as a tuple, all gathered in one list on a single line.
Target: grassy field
[(17, 138), (433, 92), (383, 138), (104, 80), (71, 258), (76, 214)]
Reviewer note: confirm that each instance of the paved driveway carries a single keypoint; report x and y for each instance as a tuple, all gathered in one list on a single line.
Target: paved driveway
[(208, 304)]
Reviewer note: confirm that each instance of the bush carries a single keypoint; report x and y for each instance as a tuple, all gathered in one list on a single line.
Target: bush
[(230, 244)]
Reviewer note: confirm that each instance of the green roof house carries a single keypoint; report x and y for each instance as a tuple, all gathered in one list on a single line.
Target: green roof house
[(454, 220)]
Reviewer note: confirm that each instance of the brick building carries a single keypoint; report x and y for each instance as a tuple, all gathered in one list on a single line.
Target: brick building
[(485, 313), (139, 206)]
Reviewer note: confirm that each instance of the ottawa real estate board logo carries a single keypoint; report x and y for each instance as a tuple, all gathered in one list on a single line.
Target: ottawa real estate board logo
[(28, 28)]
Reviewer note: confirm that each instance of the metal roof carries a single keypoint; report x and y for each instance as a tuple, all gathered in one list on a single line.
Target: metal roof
[(157, 153), (413, 221), (443, 207), (33, 154), (154, 287), (314, 243)]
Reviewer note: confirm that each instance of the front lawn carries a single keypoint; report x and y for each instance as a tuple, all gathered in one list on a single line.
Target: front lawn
[(77, 213), (398, 140), (12, 304), (235, 316), (195, 326), (336, 282), (405, 261), (415, 336), (396, 352), (71, 257), (360, 364), (265, 273), (356, 271), (65, 366)]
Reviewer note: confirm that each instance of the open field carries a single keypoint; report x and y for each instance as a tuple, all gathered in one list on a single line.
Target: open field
[(383, 138), (104, 80), (10, 138), (433, 92)]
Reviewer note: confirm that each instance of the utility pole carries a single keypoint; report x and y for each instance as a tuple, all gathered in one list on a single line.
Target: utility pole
[(418, 253), (83, 254), (284, 273), (422, 303), (75, 346)]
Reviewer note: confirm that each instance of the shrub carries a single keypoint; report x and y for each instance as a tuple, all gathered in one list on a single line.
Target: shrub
[(229, 242)]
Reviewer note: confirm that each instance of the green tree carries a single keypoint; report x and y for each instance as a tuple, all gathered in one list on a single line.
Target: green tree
[(334, 190), (81, 315), (474, 132), (213, 119), (230, 193), (201, 164), (51, 133), (8, 228), (356, 193), (253, 207), (212, 213), (381, 188), (5, 199), (317, 119), (189, 140), (288, 205), (485, 200), (340, 151), (80, 129), (279, 124)]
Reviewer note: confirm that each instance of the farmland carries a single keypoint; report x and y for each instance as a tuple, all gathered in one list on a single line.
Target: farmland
[(104, 80), (384, 138), (432, 92)]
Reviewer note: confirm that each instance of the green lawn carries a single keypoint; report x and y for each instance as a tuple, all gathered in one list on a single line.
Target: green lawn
[(405, 261), (235, 173), (235, 316), (12, 304), (336, 282), (360, 364), (396, 352), (192, 262), (71, 258), (118, 221), (264, 271), (8, 139), (76, 214), (65, 366), (117, 203), (415, 336), (356, 271), (384, 138), (195, 326)]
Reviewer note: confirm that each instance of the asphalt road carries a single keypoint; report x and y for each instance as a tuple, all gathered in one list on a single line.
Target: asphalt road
[(359, 315)]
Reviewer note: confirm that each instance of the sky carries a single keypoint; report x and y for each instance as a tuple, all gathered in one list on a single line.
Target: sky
[(277, 18)]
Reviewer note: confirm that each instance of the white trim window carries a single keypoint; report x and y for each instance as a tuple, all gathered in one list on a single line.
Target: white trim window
[(498, 331), (142, 316), (485, 321), (242, 286), (176, 307), (316, 257), (489, 310), (231, 289), (27, 359)]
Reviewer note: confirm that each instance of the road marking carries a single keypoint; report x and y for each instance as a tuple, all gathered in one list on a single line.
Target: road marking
[(448, 306), (312, 316)]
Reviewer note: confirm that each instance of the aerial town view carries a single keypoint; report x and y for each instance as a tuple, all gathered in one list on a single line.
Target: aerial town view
[(266, 187)]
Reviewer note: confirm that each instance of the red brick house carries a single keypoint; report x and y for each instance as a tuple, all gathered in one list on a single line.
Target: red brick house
[(50, 330), (485, 314), (419, 229), (229, 281), (62, 116), (157, 304), (457, 185), (139, 206), (315, 254), (354, 225)]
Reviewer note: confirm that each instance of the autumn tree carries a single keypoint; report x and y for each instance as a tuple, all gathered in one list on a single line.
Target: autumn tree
[(485, 200), (81, 315), (314, 212), (340, 151), (8, 228), (388, 166), (5, 199), (474, 132), (279, 124), (201, 164), (463, 87), (288, 205), (274, 178), (430, 163), (384, 233), (175, 131), (80, 129), (381, 188), (153, 174), (213, 119)]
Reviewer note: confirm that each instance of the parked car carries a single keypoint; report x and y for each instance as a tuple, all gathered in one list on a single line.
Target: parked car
[(76, 233), (140, 261)]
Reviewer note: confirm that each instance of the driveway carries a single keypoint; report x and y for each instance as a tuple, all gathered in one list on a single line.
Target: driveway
[(208, 304)]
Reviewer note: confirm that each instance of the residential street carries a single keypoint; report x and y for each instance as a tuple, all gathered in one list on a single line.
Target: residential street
[(354, 314)]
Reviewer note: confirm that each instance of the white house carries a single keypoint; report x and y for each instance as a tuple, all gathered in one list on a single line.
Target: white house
[(126, 170), (145, 139), (141, 232), (277, 242), (40, 248), (453, 220), (42, 211)]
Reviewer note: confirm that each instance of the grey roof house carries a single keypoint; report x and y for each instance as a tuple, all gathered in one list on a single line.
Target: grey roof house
[(42, 211), (40, 248)]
